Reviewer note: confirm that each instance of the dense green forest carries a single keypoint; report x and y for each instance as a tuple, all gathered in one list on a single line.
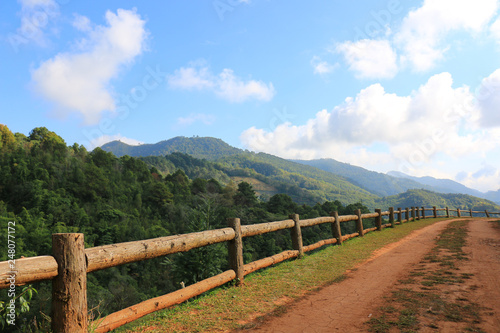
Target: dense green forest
[(48, 187)]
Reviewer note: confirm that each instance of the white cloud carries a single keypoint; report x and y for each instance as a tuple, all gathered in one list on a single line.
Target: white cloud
[(322, 67), (191, 78), (370, 58), (226, 85), (414, 129), (424, 29), (485, 179), (488, 99), (207, 119), (100, 141), (35, 17), (419, 42), (495, 29), (82, 23), (80, 82)]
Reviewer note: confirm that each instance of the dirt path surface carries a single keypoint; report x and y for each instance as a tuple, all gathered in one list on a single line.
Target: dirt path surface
[(346, 306), (484, 249)]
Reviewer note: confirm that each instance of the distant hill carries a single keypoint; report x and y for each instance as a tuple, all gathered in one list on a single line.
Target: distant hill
[(424, 198), (199, 147), (295, 177), (374, 182), (440, 185), (493, 196), (307, 182)]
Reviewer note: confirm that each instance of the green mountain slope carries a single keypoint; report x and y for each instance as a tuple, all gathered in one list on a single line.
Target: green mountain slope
[(440, 185), (199, 147), (306, 182), (374, 182), (295, 178)]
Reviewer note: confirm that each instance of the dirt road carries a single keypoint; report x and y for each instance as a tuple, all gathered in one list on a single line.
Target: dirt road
[(346, 306)]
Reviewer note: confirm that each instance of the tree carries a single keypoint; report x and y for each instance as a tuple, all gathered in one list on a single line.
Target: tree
[(281, 204), (245, 196)]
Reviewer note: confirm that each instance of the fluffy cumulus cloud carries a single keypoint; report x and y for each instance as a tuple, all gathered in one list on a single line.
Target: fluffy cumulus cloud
[(226, 85), (419, 41), (80, 81), (377, 128), (370, 58), (423, 30)]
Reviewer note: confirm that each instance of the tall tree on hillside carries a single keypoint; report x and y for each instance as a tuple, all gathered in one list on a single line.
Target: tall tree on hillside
[(245, 196)]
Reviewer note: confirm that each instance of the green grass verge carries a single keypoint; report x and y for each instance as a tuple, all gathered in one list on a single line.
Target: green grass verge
[(266, 292)]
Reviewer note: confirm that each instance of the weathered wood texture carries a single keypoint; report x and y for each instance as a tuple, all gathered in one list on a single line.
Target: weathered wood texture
[(235, 250), (337, 233), (349, 236), (316, 221), (369, 215), (319, 244), (29, 270), (378, 219), (137, 311), (297, 235), (359, 223), (347, 218), (263, 228), (106, 256), (391, 217), (69, 287), (266, 262)]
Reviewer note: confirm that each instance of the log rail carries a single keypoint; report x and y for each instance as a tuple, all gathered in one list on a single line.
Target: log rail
[(70, 259)]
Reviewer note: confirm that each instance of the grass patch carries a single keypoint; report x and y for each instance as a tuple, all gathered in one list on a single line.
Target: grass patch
[(269, 291)]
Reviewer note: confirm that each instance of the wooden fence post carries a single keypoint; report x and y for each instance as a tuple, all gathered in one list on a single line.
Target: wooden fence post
[(434, 209), (391, 217), (337, 233), (417, 212), (69, 287), (423, 213), (407, 214), (378, 219), (487, 214), (235, 248), (458, 212), (413, 213), (400, 217), (447, 212), (297, 235), (470, 210), (359, 223)]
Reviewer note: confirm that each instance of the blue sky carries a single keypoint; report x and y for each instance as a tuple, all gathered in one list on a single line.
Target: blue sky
[(410, 86)]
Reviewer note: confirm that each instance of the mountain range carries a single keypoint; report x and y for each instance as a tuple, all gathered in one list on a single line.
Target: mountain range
[(305, 181)]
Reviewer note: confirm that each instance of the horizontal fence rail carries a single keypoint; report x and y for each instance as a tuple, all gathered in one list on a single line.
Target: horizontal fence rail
[(70, 263)]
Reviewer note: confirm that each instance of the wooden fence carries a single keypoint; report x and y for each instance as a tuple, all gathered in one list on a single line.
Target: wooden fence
[(70, 262)]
